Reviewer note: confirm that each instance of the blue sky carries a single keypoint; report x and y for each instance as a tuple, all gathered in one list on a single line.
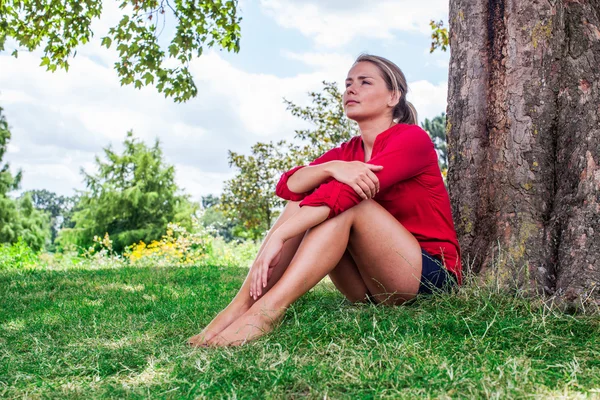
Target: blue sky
[(61, 121)]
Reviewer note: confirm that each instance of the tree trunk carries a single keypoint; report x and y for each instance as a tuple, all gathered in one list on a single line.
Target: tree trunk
[(524, 142)]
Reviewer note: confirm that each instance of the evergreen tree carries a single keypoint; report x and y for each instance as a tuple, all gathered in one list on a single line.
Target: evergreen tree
[(437, 130), (132, 197)]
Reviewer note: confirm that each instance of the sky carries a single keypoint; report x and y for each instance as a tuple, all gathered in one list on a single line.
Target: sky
[(61, 121)]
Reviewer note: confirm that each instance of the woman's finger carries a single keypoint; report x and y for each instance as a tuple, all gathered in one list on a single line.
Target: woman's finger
[(251, 282), (359, 191), (364, 183), (263, 276), (374, 167), (374, 179), (371, 185), (263, 282), (365, 187), (259, 279), (252, 286), (256, 277)]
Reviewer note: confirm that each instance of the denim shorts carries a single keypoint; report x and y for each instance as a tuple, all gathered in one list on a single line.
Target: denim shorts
[(434, 276)]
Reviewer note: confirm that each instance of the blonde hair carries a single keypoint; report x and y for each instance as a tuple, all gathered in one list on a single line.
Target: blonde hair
[(404, 112)]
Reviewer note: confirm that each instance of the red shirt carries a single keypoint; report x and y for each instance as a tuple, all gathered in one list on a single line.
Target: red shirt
[(411, 188)]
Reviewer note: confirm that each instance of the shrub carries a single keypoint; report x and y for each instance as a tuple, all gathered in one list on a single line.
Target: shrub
[(17, 255), (178, 246)]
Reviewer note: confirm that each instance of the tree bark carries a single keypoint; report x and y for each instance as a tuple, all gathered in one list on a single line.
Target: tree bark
[(524, 142)]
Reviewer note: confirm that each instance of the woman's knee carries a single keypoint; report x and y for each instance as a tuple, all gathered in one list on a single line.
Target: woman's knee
[(292, 204), (360, 208), (368, 210), (290, 208)]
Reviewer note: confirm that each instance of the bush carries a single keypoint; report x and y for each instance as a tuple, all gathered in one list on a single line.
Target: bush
[(178, 247), (133, 196), (17, 255)]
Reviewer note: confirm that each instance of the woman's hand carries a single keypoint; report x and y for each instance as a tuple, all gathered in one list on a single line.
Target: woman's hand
[(358, 175), (263, 265)]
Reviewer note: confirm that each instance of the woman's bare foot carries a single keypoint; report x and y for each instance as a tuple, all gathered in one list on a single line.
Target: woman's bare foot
[(250, 326), (225, 318)]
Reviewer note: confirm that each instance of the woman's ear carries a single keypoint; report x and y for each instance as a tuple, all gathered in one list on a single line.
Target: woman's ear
[(394, 99)]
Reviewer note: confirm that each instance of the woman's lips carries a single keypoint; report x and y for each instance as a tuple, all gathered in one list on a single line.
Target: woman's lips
[(351, 102)]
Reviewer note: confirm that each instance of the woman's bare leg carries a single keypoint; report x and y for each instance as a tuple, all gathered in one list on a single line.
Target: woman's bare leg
[(347, 279), (393, 268), (242, 300)]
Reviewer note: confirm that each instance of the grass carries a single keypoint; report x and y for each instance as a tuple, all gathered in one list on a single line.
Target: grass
[(120, 333)]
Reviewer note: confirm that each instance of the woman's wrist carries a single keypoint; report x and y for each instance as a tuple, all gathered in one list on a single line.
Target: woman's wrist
[(305, 218), (329, 167), (278, 234)]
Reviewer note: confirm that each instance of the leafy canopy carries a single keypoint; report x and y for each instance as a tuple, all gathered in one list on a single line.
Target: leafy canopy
[(132, 197), (61, 26)]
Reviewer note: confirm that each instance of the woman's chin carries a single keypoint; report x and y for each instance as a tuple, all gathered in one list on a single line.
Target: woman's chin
[(354, 116)]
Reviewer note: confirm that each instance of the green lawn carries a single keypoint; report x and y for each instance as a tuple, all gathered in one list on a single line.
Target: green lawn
[(93, 333)]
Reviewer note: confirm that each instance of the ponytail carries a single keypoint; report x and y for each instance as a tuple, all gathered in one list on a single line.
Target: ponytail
[(405, 112)]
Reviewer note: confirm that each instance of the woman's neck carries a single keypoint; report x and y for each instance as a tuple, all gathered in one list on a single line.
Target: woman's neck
[(370, 129)]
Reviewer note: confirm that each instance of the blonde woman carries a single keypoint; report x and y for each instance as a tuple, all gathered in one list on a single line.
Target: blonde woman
[(373, 214)]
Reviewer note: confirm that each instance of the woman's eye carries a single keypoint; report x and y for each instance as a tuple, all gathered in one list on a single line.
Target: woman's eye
[(368, 83)]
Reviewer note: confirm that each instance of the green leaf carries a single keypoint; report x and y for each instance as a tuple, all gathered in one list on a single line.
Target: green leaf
[(106, 41), (149, 78), (60, 27)]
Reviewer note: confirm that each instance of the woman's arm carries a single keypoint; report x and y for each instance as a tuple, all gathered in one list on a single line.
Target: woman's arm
[(310, 177), (304, 219), (298, 182), (405, 156), (358, 175)]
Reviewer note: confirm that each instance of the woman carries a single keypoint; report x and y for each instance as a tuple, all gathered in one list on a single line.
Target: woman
[(373, 214)]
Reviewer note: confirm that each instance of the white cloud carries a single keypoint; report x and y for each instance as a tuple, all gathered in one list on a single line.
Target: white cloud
[(333, 65), (256, 98), (428, 99), (57, 115), (60, 121), (336, 23), (200, 182)]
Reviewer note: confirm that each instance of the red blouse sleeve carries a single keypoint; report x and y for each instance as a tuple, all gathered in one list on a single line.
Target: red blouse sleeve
[(282, 190), (405, 156)]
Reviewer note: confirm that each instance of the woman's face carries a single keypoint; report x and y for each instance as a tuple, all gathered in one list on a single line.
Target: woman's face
[(367, 96)]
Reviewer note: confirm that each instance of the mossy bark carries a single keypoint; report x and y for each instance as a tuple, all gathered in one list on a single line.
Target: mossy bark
[(524, 142)]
